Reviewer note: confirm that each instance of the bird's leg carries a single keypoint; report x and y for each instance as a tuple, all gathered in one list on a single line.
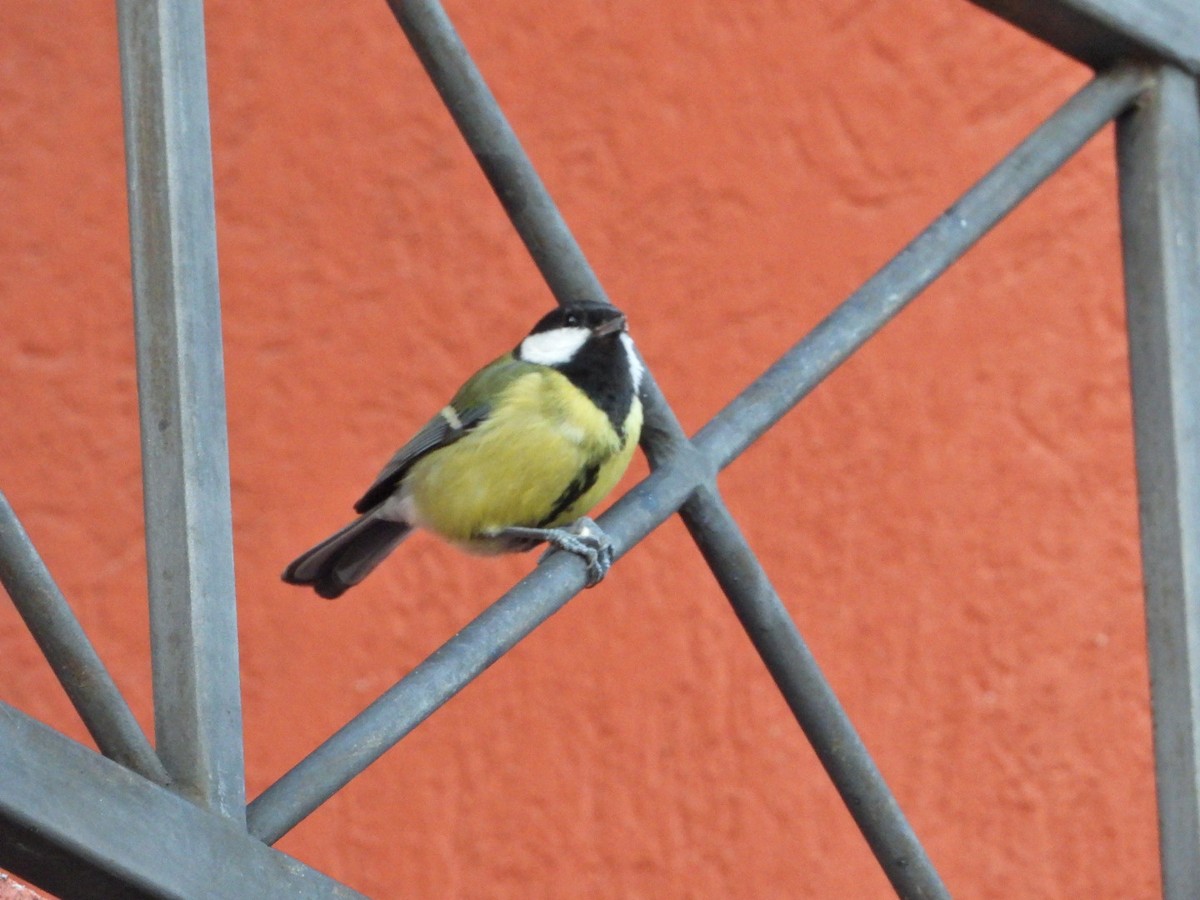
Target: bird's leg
[(583, 537)]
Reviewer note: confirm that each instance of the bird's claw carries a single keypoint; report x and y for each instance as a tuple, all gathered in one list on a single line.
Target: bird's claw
[(585, 539)]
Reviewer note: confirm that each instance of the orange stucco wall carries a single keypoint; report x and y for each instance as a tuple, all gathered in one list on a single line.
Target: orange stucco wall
[(951, 518)]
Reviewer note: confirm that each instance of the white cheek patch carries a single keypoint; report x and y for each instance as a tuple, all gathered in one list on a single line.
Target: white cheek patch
[(555, 347), (635, 362)]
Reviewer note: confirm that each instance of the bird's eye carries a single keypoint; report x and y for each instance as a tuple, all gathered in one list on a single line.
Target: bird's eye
[(571, 320)]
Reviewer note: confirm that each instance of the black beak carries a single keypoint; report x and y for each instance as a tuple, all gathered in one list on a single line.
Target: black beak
[(612, 326)]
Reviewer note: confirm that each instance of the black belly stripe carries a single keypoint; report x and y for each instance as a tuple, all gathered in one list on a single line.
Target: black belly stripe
[(582, 483)]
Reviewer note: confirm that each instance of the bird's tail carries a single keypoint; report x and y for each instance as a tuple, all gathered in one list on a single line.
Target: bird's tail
[(345, 558)]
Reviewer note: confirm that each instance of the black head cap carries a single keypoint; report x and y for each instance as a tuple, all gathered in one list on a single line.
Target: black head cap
[(583, 314)]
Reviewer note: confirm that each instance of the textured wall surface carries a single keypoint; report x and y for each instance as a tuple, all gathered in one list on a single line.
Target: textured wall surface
[(951, 518), (12, 889)]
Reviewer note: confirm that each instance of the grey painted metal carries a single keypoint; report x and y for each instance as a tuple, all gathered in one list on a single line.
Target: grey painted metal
[(510, 619), (791, 664), (111, 831), (185, 460), (546, 590), (71, 655), (873, 305), (1159, 161), (516, 614), (1102, 33), (755, 601), (497, 149), (811, 698), (449, 669), (82, 826)]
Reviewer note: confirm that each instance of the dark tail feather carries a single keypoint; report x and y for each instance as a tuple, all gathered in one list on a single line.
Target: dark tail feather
[(344, 559)]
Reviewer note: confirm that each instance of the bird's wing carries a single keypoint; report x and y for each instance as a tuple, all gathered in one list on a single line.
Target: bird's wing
[(470, 406), (442, 430)]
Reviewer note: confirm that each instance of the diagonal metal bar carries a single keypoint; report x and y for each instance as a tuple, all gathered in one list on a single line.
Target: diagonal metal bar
[(499, 153), (801, 682), (914, 268), (181, 394), (755, 601), (516, 183), (741, 576), (71, 655), (82, 826), (46, 820), (450, 668), (1158, 146), (540, 226), (1102, 33), (538, 596), (811, 698)]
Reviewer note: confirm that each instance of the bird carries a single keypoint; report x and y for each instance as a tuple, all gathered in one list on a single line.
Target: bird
[(523, 451)]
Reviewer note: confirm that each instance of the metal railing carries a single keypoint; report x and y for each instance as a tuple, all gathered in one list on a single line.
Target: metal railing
[(58, 815)]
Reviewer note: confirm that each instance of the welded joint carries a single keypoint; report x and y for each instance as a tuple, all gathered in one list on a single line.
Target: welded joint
[(667, 446), (1149, 76)]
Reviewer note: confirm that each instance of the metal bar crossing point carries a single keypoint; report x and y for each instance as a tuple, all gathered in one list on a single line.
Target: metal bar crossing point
[(83, 826), (569, 276), (71, 655), (181, 395), (516, 614), (1158, 147)]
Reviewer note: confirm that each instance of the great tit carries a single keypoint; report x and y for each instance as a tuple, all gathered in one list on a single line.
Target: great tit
[(526, 447)]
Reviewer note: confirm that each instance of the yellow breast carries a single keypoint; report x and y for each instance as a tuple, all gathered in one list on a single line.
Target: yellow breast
[(515, 467)]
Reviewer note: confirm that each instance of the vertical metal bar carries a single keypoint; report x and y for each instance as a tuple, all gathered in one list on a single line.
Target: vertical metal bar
[(181, 391), (71, 655), (1158, 147)]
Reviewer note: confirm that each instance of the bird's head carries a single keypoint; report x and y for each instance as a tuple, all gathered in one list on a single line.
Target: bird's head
[(559, 336)]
